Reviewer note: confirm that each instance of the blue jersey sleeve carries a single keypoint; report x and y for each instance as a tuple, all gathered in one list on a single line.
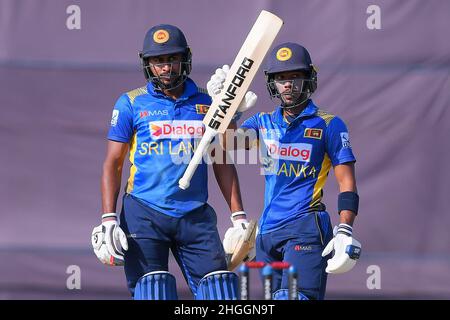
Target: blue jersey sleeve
[(252, 123), (121, 128), (338, 143)]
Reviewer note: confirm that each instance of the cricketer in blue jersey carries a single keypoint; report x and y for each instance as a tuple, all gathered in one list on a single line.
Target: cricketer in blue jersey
[(160, 125), (300, 143)]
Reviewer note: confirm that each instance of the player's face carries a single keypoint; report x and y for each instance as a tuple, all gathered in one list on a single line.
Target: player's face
[(167, 67), (290, 85)]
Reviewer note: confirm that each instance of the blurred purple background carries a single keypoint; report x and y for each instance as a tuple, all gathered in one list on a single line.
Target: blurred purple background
[(58, 86)]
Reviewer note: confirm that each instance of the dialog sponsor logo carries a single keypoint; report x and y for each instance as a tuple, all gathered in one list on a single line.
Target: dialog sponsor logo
[(176, 129), (289, 151)]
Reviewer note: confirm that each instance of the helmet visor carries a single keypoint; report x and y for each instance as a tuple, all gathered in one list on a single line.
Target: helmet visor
[(289, 90), (167, 75)]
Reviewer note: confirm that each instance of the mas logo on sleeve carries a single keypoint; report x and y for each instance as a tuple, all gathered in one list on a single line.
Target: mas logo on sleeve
[(345, 140), (115, 117)]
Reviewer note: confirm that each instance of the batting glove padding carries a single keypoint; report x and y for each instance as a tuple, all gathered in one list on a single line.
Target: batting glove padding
[(346, 249), (215, 86), (109, 241), (239, 242)]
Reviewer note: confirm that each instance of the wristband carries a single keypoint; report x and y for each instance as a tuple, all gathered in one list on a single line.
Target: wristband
[(348, 201), (237, 213), (346, 229), (109, 217)]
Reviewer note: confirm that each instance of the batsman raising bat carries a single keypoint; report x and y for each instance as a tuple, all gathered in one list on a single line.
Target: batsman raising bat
[(226, 108), (152, 124), (299, 144)]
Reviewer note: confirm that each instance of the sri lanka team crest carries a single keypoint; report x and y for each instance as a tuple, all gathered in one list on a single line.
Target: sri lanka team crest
[(201, 108), (161, 36), (284, 54), (313, 133)]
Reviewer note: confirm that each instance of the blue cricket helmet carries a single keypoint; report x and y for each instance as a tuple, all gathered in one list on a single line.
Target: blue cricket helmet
[(291, 56), (288, 56), (164, 39)]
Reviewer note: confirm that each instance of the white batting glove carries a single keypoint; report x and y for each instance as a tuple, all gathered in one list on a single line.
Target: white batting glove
[(215, 86), (235, 234), (346, 250), (109, 241)]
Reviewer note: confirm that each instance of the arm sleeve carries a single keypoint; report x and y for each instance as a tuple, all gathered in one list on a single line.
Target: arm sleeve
[(338, 145), (121, 129)]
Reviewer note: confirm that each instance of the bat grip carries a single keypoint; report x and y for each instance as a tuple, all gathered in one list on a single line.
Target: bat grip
[(185, 181)]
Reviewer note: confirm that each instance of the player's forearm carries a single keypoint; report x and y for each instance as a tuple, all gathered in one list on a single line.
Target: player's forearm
[(347, 217), (345, 176), (227, 179), (228, 139), (236, 138), (110, 186), (345, 185)]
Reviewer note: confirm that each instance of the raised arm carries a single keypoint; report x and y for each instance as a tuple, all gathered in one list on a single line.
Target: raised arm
[(227, 179), (239, 240), (237, 139)]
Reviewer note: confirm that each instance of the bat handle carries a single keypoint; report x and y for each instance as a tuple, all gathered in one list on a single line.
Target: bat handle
[(185, 181)]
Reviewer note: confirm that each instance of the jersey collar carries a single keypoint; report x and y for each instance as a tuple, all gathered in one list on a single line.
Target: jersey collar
[(310, 110)]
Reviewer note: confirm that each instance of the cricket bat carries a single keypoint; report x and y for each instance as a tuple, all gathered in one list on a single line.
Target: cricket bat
[(241, 74)]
